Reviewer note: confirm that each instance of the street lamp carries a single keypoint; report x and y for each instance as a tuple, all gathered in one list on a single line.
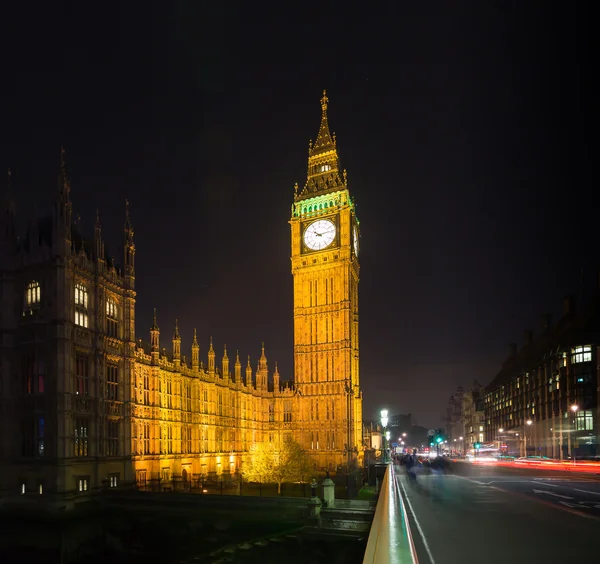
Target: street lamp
[(501, 430), (574, 409), (384, 424), (529, 423)]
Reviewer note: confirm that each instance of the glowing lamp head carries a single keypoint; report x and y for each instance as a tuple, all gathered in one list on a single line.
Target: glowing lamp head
[(384, 417), (501, 430), (387, 435), (529, 422), (574, 408)]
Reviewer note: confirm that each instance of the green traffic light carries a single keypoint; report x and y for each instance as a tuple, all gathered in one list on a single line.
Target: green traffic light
[(439, 439)]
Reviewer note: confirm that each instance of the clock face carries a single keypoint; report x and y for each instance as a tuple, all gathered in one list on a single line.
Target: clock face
[(355, 241), (319, 234)]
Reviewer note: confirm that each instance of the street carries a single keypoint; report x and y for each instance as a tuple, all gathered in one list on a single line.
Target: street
[(502, 515)]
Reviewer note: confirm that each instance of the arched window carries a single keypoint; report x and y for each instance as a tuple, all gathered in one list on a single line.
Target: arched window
[(112, 323), (81, 305), (33, 294)]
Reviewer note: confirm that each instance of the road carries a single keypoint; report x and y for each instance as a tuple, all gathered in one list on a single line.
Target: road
[(499, 515)]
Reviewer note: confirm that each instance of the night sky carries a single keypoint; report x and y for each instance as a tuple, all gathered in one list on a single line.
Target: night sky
[(465, 128)]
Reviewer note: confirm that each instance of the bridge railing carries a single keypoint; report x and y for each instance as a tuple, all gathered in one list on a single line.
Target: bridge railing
[(390, 539)]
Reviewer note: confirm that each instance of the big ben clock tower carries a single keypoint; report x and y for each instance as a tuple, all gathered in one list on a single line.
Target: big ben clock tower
[(325, 247)]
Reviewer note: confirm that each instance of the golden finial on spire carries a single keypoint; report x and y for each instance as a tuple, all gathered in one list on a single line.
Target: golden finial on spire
[(324, 101), (176, 336), (195, 341), (154, 325)]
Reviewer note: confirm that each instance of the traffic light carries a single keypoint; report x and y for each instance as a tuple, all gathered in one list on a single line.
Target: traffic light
[(438, 439), (477, 445)]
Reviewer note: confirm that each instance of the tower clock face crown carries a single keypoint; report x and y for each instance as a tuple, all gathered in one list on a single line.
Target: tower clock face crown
[(355, 241), (319, 234)]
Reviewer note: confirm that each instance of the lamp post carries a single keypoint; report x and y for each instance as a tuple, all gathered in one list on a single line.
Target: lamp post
[(387, 443), (574, 409), (529, 423), (501, 430), (384, 424)]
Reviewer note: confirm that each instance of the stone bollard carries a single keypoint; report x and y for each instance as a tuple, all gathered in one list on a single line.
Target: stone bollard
[(314, 504), (328, 491)]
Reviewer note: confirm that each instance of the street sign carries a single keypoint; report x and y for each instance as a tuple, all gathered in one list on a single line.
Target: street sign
[(394, 445)]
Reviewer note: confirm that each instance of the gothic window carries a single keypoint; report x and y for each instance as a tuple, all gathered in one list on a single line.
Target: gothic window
[(188, 393), (287, 411), (112, 438), (169, 394), (112, 323), (134, 437), (219, 403), (112, 382), (271, 412), (205, 401), (146, 438), (33, 295), (170, 439), (189, 439), (81, 375), (81, 437), (81, 305), (146, 393)]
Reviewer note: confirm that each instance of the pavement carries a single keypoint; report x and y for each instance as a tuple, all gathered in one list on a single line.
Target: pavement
[(498, 515)]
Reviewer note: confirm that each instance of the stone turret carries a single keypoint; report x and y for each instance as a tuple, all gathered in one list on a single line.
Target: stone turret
[(225, 363), (211, 358), (155, 339), (195, 353), (176, 346), (237, 369), (249, 374)]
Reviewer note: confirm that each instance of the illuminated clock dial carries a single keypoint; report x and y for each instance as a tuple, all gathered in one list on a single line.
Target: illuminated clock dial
[(319, 234), (355, 241)]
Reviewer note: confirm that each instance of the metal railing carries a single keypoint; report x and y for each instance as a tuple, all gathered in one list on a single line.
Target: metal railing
[(390, 539)]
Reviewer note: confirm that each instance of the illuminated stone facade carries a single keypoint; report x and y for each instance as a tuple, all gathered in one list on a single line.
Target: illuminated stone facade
[(325, 247), (85, 404)]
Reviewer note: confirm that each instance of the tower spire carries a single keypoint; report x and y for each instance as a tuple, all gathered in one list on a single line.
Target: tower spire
[(323, 160), (324, 139)]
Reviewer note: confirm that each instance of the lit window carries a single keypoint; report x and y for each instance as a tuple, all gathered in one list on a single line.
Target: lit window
[(112, 323), (23, 489), (41, 489), (81, 438), (83, 484), (585, 421), (114, 480), (81, 305), (33, 294), (581, 354)]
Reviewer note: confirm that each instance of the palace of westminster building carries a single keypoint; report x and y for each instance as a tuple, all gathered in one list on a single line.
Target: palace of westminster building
[(86, 404)]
